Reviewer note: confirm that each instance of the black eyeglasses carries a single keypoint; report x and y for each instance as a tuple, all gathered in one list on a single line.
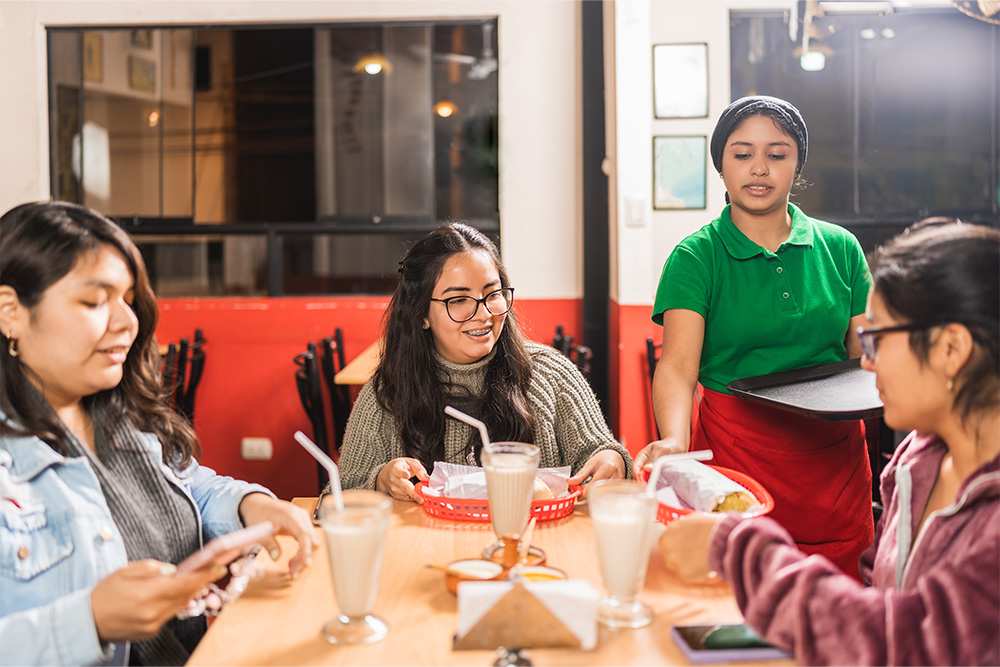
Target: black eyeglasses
[(869, 340), (464, 308)]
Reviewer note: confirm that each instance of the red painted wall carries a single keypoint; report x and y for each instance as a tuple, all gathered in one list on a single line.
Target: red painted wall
[(248, 387), (631, 402)]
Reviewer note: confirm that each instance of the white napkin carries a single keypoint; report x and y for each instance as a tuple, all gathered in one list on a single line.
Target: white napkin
[(573, 601), (460, 481)]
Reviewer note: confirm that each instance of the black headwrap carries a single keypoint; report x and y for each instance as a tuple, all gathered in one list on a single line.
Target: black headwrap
[(744, 107)]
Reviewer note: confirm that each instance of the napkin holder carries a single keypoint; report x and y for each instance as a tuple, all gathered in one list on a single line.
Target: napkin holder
[(518, 619)]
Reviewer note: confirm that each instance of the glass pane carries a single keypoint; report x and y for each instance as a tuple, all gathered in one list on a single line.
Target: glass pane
[(926, 116), (206, 265), (344, 264), (65, 83)]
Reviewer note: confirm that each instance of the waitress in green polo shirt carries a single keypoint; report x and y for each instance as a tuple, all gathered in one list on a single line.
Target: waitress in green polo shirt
[(765, 288)]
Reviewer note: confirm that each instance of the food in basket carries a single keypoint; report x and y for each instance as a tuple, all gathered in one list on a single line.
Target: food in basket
[(702, 488), (542, 490)]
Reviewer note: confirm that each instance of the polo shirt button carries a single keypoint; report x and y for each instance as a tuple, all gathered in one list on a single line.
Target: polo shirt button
[(23, 552), (785, 295), (106, 534), (779, 269)]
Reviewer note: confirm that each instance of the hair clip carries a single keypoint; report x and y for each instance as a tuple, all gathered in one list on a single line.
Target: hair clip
[(400, 266)]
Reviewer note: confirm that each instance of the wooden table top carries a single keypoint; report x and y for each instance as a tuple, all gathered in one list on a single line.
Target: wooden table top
[(278, 621), (361, 367)]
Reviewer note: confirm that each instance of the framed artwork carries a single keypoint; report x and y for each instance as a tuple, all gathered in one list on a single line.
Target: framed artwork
[(141, 74), (93, 56), (679, 165), (680, 80), (142, 39)]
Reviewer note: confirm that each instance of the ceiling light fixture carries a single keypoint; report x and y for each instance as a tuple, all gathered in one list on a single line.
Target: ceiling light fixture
[(372, 63), (445, 108)]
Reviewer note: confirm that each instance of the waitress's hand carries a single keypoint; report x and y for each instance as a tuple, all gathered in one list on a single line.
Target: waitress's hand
[(643, 462), (134, 602), (394, 478), (288, 519), (605, 464), (684, 545)]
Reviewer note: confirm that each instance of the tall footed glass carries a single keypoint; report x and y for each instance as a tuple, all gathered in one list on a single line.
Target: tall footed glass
[(622, 513), (355, 542), (510, 485)]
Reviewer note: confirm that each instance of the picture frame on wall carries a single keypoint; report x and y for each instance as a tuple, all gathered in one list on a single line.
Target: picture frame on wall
[(680, 80), (679, 168), (93, 57), (141, 74), (142, 38)]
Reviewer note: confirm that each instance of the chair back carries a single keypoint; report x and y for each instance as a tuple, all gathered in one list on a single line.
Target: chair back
[(183, 367), (582, 355), (311, 395), (561, 341), (332, 359), (652, 356)]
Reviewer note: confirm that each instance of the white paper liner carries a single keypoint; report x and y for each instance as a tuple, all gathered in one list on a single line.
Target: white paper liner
[(453, 480)]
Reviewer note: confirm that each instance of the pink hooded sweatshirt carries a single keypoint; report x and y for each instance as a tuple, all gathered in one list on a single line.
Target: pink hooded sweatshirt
[(933, 599)]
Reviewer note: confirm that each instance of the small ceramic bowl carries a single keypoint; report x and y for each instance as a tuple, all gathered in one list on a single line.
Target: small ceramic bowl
[(471, 569), (506, 553), (535, 573)]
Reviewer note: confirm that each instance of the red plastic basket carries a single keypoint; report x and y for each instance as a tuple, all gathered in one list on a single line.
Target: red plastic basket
[(667, 513), (478, 509)]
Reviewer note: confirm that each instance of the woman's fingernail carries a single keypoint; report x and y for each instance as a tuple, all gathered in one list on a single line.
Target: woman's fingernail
[(275, 554), (309, 561), (219, 571), (296, 576), (168, 569)]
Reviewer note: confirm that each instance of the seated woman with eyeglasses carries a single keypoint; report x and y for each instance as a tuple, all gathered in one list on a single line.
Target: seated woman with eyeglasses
[(100, 493), (932, 576), (451, 338)]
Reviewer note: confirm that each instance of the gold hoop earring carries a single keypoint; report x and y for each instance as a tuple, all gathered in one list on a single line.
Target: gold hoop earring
[(950, 384), (720, 175), (11, 346)]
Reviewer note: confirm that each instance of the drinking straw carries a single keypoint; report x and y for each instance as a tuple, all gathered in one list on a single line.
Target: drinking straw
[(471, 421), (326, 462), (654, 476)]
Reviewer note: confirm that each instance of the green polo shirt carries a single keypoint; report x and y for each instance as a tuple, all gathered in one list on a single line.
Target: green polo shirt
[(766, 311)]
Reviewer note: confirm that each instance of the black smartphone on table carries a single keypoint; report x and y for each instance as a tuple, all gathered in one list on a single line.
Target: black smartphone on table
[(724, 643)]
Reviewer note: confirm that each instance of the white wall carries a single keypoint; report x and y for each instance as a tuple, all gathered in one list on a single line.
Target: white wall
[(540, 192)]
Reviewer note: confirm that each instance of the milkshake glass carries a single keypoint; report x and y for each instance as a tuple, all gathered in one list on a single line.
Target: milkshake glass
[(622, 514), (355, 543), (510, 485)]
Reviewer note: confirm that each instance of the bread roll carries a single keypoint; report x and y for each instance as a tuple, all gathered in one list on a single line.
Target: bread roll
[(542, 490)]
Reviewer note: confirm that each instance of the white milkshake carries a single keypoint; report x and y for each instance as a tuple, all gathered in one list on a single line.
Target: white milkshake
[(356, 562), (510, 484), (622, 514), (355, 543)]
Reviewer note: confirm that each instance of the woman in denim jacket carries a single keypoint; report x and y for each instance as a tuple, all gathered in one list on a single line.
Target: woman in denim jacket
[(100, 493)]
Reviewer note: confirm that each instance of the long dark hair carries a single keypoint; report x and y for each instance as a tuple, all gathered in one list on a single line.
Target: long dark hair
[(942, 274), (407, 381), (39, 244)]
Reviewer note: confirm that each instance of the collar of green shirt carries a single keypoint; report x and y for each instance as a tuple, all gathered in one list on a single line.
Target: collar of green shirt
[(740, 247)]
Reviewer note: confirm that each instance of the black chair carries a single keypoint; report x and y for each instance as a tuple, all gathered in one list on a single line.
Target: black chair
[(652, 356), (311, 394), (183, 367), (562, 342), (582, 355), (332, 359)]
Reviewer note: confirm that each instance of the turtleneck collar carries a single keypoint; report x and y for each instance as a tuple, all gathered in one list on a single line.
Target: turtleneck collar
[(470, 376)]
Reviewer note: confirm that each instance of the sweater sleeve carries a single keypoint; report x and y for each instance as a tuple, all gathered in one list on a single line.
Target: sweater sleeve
[(806, 605), (579, 425), (368, 442)]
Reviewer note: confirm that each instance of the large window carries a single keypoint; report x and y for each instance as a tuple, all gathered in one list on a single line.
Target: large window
[(902, 110), (289, 160)]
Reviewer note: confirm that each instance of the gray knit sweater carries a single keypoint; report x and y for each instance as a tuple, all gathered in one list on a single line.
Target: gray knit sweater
[(569, 426)]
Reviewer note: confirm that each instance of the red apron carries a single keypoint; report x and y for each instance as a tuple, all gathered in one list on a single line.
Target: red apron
[(817, 471)]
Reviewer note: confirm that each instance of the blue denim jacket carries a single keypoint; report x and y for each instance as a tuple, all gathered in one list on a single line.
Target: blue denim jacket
[(57, 540)]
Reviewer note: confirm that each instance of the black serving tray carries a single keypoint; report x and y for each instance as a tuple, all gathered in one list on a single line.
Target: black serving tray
[(840, 391)]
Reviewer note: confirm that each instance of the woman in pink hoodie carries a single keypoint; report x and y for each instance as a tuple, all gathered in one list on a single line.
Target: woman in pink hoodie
[(932, 577)]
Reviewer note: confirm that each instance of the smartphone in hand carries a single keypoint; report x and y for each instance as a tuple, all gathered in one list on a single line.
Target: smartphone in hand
[(724, 643), (223, 549)]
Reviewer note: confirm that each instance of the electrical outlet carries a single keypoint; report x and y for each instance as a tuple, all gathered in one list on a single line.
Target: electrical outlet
[(256, 449)]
